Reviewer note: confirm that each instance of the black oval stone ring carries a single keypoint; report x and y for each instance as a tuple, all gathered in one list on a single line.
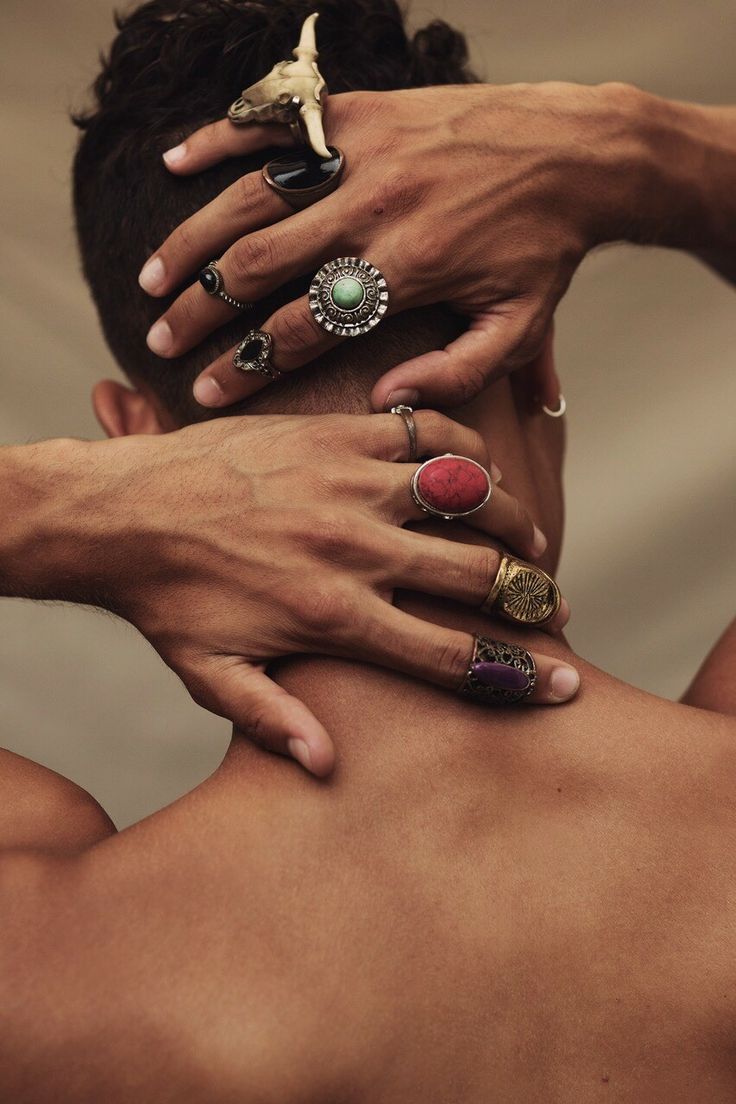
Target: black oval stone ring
[(211, 280), (302, 178), (253, 354)]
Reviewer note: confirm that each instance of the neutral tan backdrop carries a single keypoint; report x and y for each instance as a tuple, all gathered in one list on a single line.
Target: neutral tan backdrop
[(646, 347)]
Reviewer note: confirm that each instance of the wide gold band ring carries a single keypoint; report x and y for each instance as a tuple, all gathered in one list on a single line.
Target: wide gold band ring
[(523, 593)]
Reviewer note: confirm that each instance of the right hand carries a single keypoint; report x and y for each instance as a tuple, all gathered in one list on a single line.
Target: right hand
[(242, 540)]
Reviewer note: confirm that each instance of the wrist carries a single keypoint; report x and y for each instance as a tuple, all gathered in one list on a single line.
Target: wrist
[(667, 163), (62, 496)]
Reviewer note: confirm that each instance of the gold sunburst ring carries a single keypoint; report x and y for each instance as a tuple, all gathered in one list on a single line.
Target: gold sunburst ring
[(523, 593)]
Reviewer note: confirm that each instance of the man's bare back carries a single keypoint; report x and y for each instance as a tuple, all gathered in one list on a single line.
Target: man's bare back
[(480, 906)]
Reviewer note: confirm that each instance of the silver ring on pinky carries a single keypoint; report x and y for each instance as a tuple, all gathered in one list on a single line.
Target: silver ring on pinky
[(348, 297), (253, 354), (499, 673), (211, 280)]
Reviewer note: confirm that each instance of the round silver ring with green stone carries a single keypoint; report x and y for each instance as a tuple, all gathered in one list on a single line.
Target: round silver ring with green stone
[(348, 297)]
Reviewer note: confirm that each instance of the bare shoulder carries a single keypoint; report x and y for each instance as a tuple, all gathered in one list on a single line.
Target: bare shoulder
[(42, 810)]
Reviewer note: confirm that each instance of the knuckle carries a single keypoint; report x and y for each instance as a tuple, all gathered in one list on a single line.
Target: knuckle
[(248, 192), (326, 436), (452, 659), (252, 257), (199, 686), (432, 425), (419, 262), (186, 311), (520, 519), (333, 536), (481, 570), (328, 441), (326, 612), (259, 725), (182, 241), (465, 381), (210, 135), (294, 331), (356, 110)]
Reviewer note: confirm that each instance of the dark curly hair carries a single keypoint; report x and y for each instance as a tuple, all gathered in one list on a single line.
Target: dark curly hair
[(174, 66)]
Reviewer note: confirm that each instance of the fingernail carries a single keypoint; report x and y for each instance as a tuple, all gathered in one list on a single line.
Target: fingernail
[(160, 338), (500, 676), (299, 751), (152, 275), (564, 683), (539, 543), (176, 154), (496, 473), (403, 397), (564, 614), (208, 392)]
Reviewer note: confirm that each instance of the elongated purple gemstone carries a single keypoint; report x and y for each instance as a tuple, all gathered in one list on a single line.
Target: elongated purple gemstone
[(499, 676)]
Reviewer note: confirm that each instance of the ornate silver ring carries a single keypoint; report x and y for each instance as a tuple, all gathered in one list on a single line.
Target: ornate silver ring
[(348, 297), (211, 280), (254, 354)]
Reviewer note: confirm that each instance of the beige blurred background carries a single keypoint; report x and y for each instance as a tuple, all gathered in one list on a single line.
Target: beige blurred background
[(646, 345)]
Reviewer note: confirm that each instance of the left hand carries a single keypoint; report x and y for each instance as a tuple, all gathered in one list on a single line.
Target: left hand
[(483, 197)]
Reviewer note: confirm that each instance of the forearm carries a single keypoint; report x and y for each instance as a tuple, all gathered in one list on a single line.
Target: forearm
[(680, 170), (43, 492)]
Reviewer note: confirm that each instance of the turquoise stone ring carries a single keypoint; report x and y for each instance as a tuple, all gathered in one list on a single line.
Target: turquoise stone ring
[(348, 293), (348, 297)]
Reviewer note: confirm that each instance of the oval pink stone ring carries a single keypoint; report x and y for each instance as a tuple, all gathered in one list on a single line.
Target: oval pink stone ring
[(451, 486)]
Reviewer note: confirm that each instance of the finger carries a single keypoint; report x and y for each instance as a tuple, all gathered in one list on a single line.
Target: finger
[(267, 714), (442, 656), (296, 338), (494, 344), (449, 569), (254, 267), (245, 206), (502, 517), (541, 378), (385, 437), (217, 141)]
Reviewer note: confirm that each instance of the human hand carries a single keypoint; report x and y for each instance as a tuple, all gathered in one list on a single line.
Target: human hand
[(233, 542), (483, 197)]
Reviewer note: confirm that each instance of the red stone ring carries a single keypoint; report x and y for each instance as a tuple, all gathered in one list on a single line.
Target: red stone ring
[(451, 486)]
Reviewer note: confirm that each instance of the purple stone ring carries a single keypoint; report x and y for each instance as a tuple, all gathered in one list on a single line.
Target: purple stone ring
[(499, 673)]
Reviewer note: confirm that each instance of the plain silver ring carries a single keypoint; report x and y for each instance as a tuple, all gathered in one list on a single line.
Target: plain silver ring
[(561, 409), (406, 414)]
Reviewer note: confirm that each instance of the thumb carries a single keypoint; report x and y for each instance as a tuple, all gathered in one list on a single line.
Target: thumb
[(266, 714), (489, 348)]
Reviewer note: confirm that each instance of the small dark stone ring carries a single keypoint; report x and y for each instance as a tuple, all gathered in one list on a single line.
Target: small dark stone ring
[(211, 280)]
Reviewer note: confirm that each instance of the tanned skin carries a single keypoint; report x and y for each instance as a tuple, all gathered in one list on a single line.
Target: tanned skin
[(511, 906)]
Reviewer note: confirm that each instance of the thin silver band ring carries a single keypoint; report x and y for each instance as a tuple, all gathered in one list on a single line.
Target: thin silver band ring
[(407, 415), (561, 409)]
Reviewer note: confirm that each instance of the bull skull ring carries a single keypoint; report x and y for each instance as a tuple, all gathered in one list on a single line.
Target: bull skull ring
[(290, 93)]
